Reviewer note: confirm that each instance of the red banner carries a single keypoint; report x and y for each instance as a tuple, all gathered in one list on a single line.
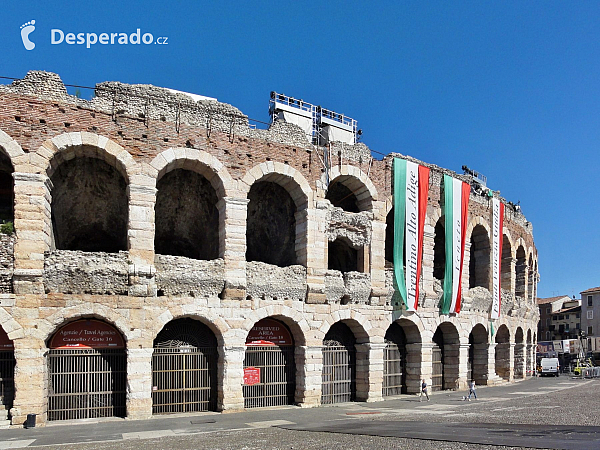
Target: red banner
[(5, 342), (251, 376), (269, 332), (87, 334)]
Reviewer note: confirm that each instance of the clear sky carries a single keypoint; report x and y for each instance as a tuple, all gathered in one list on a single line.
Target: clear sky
[(511, 89)]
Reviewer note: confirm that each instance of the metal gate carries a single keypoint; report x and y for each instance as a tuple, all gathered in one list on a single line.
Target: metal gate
[(339, 374), (277, 384), (7, 382), (437, 377), (184, 379), (393, 373), (86, 383)]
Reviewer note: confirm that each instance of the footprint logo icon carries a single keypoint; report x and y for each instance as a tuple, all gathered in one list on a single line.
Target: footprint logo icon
[(26, 30)]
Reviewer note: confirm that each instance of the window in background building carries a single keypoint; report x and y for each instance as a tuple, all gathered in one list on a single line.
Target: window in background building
[(590, 331), (549, 310), (590, 314), (590, 300)]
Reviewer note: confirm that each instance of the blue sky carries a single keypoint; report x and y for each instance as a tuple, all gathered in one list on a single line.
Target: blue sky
[(511, 89)]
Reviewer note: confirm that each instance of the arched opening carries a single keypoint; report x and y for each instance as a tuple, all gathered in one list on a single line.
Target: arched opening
[(338, 379), (389, 239), (271, 225), (89, 206), (529, 352), (87, 371), (269, 366), (530, 277), (402, 359), (506, 263), (7, 193), (7, 372), (187, 218), (502, 353), (394, 361), (520, 272), (342, 196), (477, 366), (439, 250), (341, 256), (184, 368), (445, 357), (519, 356), (479, 264)]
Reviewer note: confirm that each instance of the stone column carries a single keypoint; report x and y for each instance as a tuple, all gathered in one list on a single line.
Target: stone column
[(139, 383), (232, 245), (426, 363), (463, 376), (374, 371), (362, 372), (31, 381), (416, 354), (316, 260), (231, 371), (34, 231), (377, 257), (309, 365), (511, 362), (492, 378), (140, 236)]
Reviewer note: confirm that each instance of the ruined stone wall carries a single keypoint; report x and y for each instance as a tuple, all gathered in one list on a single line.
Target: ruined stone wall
[(7, 262)]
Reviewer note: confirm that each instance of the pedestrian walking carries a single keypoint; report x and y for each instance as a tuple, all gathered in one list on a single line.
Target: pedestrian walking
[(423, 391), (472, 390)]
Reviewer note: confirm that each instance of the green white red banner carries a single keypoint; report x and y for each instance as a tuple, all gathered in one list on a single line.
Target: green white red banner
[(411, 190), (456, 209), (497, 223)]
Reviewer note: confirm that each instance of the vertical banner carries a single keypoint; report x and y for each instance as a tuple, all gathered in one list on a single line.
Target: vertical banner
[(497, 222), (411, 190), (456, 209)]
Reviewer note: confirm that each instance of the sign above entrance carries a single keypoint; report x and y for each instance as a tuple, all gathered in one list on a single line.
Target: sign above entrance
[(87, 334), (5, 342), (269, 332)]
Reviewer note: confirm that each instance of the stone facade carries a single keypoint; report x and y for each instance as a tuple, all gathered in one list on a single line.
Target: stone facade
[(143, 133)]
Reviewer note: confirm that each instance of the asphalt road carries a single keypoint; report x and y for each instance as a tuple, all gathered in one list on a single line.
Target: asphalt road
[(536, 413)]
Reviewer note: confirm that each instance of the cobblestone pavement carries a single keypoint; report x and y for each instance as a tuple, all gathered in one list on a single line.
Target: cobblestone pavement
[(545, 401)]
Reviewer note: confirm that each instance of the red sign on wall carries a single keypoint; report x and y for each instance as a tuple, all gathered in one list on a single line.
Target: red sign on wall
[(5, 342), (87, 334), (269, 332), (251, 376)]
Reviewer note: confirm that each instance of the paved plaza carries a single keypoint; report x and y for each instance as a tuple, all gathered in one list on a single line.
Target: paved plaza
[(536, 413)]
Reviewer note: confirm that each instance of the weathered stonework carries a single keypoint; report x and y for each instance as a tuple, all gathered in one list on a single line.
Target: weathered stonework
[(145, 133)]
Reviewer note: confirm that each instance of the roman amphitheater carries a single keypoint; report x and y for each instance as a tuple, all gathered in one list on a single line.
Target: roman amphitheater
[(167, 257)]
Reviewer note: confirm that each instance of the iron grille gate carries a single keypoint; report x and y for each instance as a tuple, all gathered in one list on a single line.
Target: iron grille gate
[(393, 374), (339, 375), (7, 382), (86, 383), (277, 384), (437, 378), (184, 379)]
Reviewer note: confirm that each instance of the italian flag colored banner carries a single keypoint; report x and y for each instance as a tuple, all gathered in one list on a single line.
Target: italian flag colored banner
[(456, 209), (411, 188), (497, 221)]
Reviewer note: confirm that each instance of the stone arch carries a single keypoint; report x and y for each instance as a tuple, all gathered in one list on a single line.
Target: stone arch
[(358, 324), (507, 261), (11, 327), (286, 176), (477, 361), (479, 254), (439, 249), (292, 231), (10, 154), (197, 161), (215, 323), (356, 181), (403, 357), (293, 319), (52, 323), (10, 148), (529, 368), (67, 146), (530, 276), (445, 356)]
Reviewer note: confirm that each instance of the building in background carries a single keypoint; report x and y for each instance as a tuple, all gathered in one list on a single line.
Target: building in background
[(590, 311), (548, 306)]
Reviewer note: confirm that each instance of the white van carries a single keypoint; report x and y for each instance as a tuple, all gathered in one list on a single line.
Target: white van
[(550, 366)]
